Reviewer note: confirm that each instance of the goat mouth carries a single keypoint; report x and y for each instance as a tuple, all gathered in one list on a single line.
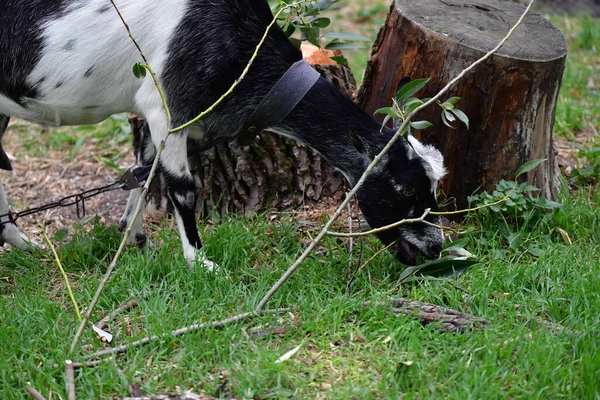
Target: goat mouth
[(406, 253)]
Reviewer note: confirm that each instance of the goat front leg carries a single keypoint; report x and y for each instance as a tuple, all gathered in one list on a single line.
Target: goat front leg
[(9, 232), (145, 156), (181, 190)]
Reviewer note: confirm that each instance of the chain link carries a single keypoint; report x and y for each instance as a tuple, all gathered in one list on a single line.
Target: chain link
[(131, 179), (78, 200)]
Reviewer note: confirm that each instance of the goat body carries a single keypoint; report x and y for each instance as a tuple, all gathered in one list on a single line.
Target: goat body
[(68, 62)]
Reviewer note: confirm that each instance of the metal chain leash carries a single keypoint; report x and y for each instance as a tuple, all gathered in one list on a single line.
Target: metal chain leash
[(133, 178)]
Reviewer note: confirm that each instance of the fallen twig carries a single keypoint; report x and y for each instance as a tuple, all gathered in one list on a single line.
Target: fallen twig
[(181, 331), (386, 227), (122, 308), (376, 161), (70, 380), (89, 364), (184, 396), (455, 286), (36, 395)]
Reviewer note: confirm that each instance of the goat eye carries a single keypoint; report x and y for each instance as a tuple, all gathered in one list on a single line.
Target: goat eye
[(408, 192)]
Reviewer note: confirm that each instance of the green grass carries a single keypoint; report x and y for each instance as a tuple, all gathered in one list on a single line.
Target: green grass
[(349, 350), (353, 351)]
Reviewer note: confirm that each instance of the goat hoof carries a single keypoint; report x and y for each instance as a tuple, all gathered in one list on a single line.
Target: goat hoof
[(203, 262), (13, 236), (142, 241)]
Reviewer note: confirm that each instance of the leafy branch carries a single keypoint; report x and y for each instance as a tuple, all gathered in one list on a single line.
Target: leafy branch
[(304, 17), (404, 104)]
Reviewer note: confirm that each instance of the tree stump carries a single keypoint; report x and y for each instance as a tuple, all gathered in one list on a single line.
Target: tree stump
[(510, 99), (276, 172)]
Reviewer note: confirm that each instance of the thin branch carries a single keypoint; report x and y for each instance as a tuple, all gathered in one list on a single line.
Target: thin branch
[(386, 227), (351, 244), (70, 380), (502, 200), (122, 308), (376, 161), (36, 395), (187, 329), (455, 286), (88, 364), (421, 219), (146, 63), (62, 271)]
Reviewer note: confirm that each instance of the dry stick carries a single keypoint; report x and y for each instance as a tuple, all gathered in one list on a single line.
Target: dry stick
[(122, 308), (376, 161), (350, 251), (181, 331), (421, 219), (89, 364), (70, 380), (153, 170), (36, 395)]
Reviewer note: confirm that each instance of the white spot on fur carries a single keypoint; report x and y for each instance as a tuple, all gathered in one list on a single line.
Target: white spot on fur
[(92, 79)]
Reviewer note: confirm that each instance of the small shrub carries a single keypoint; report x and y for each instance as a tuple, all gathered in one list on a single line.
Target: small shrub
[(516, 203), (589, 172)]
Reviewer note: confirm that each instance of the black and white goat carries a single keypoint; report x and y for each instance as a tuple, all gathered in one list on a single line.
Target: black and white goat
[(69, 62)]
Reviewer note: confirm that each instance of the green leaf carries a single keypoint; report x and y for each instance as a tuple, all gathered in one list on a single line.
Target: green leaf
[(453, 100), (341, 60), (139, 71), (461, 116), (410, 89), (411, 104), (320, 22), (528, 166), (421, 124), (446, 106), (445, 267), (346, 36), (61, 235), (447, 118), (457, 244), (391, 111), (343, 46)]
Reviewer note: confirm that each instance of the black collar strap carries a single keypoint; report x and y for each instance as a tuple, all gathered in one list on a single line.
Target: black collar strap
[(280, 101)]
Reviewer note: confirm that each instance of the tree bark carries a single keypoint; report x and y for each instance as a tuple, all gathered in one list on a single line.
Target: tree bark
[(276, 172), (510, 99), (442, 318)]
